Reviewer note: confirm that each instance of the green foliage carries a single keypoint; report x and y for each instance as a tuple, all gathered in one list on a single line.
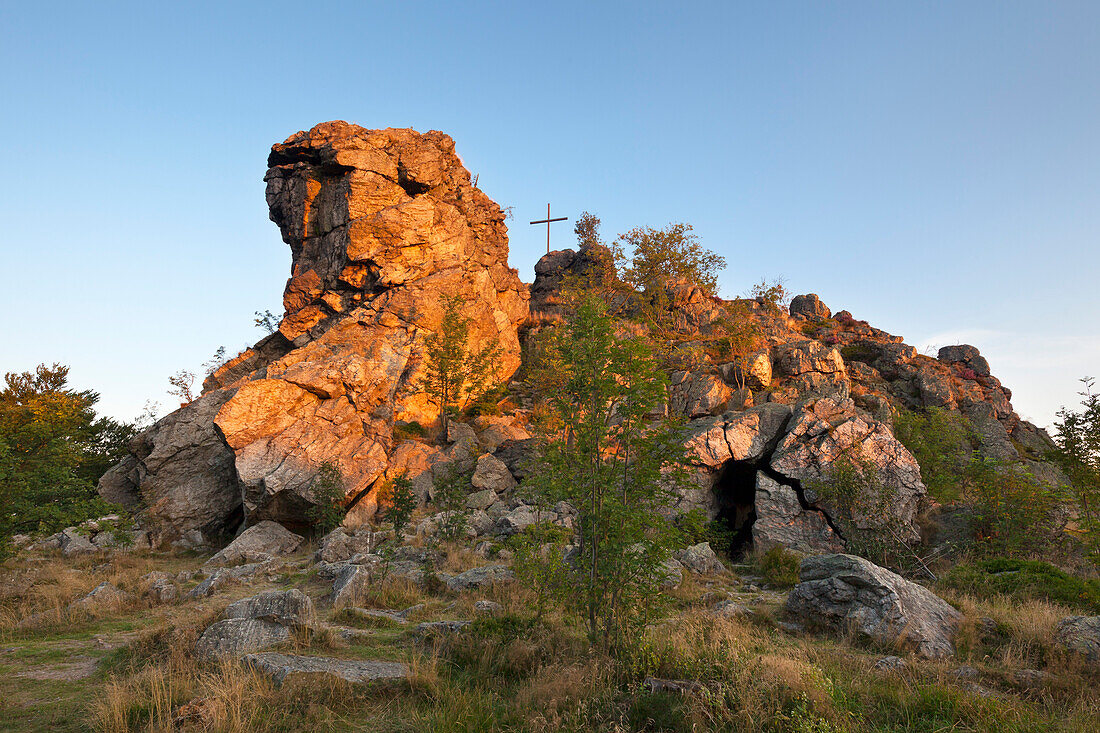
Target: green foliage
[(1024, 580), (778, 566), (1015, 514), (861, 508), (773, 294), (398, 502), (409, 430), (449, 496), (455, 374), (600, 453), (695, 528), (53, 450), (215, 362), (181, 383), (942, 441), (660, 256), (328, 510), (1077, 435), (267, 321)]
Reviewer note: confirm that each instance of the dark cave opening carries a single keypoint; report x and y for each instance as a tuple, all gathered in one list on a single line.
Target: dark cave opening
[(413, 188), (735, 491)]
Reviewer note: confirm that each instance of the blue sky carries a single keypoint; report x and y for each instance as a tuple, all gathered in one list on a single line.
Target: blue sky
[(932, 167)]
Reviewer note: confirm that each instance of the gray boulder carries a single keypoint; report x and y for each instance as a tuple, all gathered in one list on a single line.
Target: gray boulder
[(258, 543), (491, 473), (481, 500), (810, 306), (841, 593), (741, 436), (103, 596), (480, 577), (341, 544), (354, 671), (73, 543), (700, 559), (286, 607), (967, 355), (1080, 635), (694, 394), (235, 636)]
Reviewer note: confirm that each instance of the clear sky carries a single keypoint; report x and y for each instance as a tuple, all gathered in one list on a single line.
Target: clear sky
[(932, 167)]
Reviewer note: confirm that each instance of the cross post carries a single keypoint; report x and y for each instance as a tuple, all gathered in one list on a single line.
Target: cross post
[(547, 221)]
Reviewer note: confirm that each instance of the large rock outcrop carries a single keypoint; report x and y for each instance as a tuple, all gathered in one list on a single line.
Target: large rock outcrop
[(383, 226)]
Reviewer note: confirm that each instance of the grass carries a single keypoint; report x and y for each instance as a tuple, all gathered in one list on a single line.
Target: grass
[(512, 672), (1024, 580)]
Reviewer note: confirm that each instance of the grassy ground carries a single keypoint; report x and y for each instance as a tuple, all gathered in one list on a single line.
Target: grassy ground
[(129, 666)]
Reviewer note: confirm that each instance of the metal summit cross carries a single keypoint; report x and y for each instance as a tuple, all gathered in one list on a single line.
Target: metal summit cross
[(547, 221)]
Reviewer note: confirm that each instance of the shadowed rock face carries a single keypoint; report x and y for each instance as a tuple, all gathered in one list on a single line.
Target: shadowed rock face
[(382, 226)]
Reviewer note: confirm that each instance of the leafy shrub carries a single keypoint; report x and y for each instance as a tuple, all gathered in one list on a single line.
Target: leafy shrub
[(449, 496), (942, 441), (398, 502), (778, 566), (409, 431), (1015, 514), (328, 510), (1024, 579)]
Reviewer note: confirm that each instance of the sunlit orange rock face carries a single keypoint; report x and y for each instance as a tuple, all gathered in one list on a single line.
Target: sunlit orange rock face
[(382, 224)]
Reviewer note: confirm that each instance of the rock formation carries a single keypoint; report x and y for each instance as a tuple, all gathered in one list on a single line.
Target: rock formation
[(382, 226)]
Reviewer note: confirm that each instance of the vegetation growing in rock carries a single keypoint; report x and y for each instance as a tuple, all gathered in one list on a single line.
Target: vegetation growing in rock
[(455, 374), (328, 508), (943, 443), (603, 456), (398, 502), (1077, 433)]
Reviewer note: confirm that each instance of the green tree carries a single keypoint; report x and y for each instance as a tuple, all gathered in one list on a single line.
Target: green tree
[(660, 256), (1077, 435), (53, 449), (455, 373), (328, 510), (398, 502), (602, 453), (449, 496)]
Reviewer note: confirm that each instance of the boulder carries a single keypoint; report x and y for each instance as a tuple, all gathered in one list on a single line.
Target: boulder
[(694, 394), (341, 544), (824, 431), (286, 607), (842, 593), (481, 500), (809, 306), (103, 596), (236, 636), (480, 578), (753, 372), (1080, 635), (492, 473), (794, 358), (700, 559), (258, 543), (782, 521), (182, 473), (967, 355), (73, 543), (740, 436), (280, 667)]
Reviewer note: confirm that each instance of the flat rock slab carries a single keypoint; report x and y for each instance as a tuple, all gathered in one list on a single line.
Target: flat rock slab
[(355, 671)]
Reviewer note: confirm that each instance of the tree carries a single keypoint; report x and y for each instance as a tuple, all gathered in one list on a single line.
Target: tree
[(454, 373), (327, 511), (53, 449), (215, 362), (181, 383), (587, 230), (602, 454), (773, 294), (398, 501), (266, 320), (1077, 435), (661, 256)]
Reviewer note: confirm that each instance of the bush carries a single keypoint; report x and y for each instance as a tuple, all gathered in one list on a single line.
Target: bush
[(942, 441), (1024, 580), (778, 566), (449, 496), (328, 508), (1015, 514)]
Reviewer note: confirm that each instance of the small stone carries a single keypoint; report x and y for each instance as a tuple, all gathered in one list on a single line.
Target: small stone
[(487, 608), (890, 664)]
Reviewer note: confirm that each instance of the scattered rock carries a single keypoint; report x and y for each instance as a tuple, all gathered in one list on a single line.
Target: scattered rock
[(341, 544), (491, 473), (842, 592), (73, 543), (480, 578), (487, 608), (439, 628), (890, 664), (261, 542), (481, 500), (103, 596), (731, 609), (809, 306), (286, 607), (354, 671), (235, 636), (1080, 635), (700, 559), (679, 687)]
